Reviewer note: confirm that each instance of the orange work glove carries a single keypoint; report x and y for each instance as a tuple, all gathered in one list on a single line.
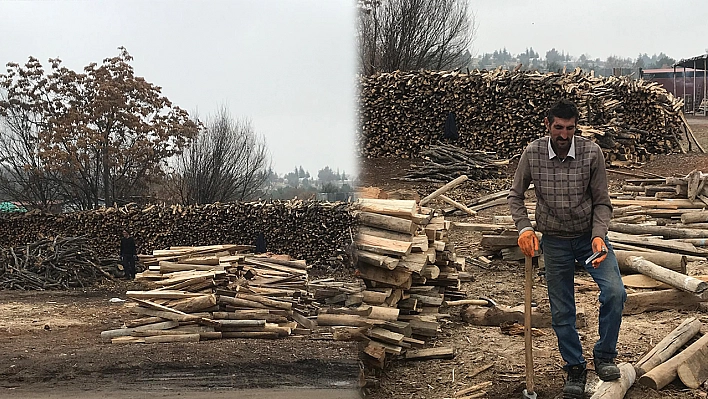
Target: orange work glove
[(597, 245), (528, 242)]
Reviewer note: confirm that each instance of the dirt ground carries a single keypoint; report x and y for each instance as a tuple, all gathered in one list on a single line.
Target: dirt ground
[(51, 346), (504, 281)]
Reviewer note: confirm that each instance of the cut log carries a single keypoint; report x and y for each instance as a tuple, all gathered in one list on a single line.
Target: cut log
[(383, 246), (374, 355), (618, 388), (401, 208), (641, 302), (121, 332), (642, 281), (386, 222), (664, 231), (675, 279), (375, 297), (675, 262), (386, 336), (431, 353), (396, 277), (694, 217), (377, 260), (457, 205), (694, 370), (442, 190), (494, 316), (326, 319), (668, 346), (250, 334), (196, 304), (172, 338), (657, 243), (239, 303), (391, 235), (663, 374), (266, 301), (383, 313)]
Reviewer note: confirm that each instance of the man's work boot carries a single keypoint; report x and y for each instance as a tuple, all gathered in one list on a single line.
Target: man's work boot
[(606, 369), (575, 384)]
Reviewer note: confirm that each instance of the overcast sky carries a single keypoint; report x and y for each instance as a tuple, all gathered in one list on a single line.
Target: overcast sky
[(600, 28), (287, 65)]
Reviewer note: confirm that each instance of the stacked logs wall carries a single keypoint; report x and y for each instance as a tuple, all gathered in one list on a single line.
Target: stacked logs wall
[(403, 113), (318, 232)]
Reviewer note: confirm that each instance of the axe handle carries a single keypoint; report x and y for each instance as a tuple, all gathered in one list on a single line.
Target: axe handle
[(527, 324)]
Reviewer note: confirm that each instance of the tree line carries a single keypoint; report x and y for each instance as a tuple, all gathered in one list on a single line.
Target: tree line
[(104, 135)]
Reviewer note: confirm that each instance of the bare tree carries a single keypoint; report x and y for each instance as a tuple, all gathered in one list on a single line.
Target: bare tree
[(414, 34), (226, 162)]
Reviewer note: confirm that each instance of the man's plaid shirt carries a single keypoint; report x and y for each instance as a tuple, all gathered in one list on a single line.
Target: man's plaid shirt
[(572, 197)]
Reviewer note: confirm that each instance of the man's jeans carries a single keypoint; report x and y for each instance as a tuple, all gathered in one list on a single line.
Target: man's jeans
[(560, 255)]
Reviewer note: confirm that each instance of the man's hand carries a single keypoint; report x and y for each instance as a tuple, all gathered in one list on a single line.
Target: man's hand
[(598, 244), (528, 242)]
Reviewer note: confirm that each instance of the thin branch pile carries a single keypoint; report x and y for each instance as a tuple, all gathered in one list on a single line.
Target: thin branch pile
[(447, 162), (58, 263)]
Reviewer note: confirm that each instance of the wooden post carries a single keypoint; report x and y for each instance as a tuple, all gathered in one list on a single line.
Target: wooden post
[(668, 346), (618, 388), (442, 190), (663, 374)]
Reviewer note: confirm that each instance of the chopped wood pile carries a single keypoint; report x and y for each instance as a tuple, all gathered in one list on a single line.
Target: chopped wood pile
[(215, 292), (318, 232), (403, 113), (410, 269), (447, 162), (53, 264), (682, 354)]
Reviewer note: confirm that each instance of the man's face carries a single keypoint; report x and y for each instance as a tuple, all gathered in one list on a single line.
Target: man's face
[(125, 234), (561, 131)]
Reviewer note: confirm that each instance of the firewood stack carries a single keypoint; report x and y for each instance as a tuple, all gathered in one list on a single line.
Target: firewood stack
[(217, 292), (53, 264), (318, 232), (403, 113), (447, 162)]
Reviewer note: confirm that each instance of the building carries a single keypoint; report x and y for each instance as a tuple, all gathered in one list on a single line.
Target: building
[(686, 80)]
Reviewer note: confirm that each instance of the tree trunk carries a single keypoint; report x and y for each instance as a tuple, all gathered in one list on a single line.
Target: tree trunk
[(675, 279), (668, 346), (618, 388), (666, 372)]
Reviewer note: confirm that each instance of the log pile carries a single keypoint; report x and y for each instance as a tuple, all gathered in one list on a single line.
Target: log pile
[(215, 292), (318, 232), (53, 264), (410, 268), (671, 358), (447, 162), (403, 113)]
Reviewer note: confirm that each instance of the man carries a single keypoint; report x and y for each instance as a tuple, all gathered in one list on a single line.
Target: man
[(128, 254), (573, 210)]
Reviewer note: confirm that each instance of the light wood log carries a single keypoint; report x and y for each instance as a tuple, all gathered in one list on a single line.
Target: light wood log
[(386, 222), (383, 246), (391, 235), (664, 231), (494, 316), (191, 305), (166, 315), (121, 332), (250, 334), (143, 321), (226, 323), (389, 207), (172, 338), (266, 301), (304, 321), (675, 262), (239, 303), (618, 388), (664, 204), (326, 319), (694, 217), (694, 370), (396, 277), (374, 297), (663, 374), (431, 353), (640, 302), (413, 262), (666, 348), (386, 336), (383, 313), (668, 276), (457, 205), (377, 260), (442, 190), (656, 243)]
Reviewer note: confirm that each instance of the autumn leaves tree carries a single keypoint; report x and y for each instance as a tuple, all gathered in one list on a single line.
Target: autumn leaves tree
[(103, 133)]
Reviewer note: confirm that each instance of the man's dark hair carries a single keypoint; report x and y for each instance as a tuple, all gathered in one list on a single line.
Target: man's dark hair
[(564, 109)]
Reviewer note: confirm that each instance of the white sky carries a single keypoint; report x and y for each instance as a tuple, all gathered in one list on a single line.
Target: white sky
[(288, 65), (599, 28)]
